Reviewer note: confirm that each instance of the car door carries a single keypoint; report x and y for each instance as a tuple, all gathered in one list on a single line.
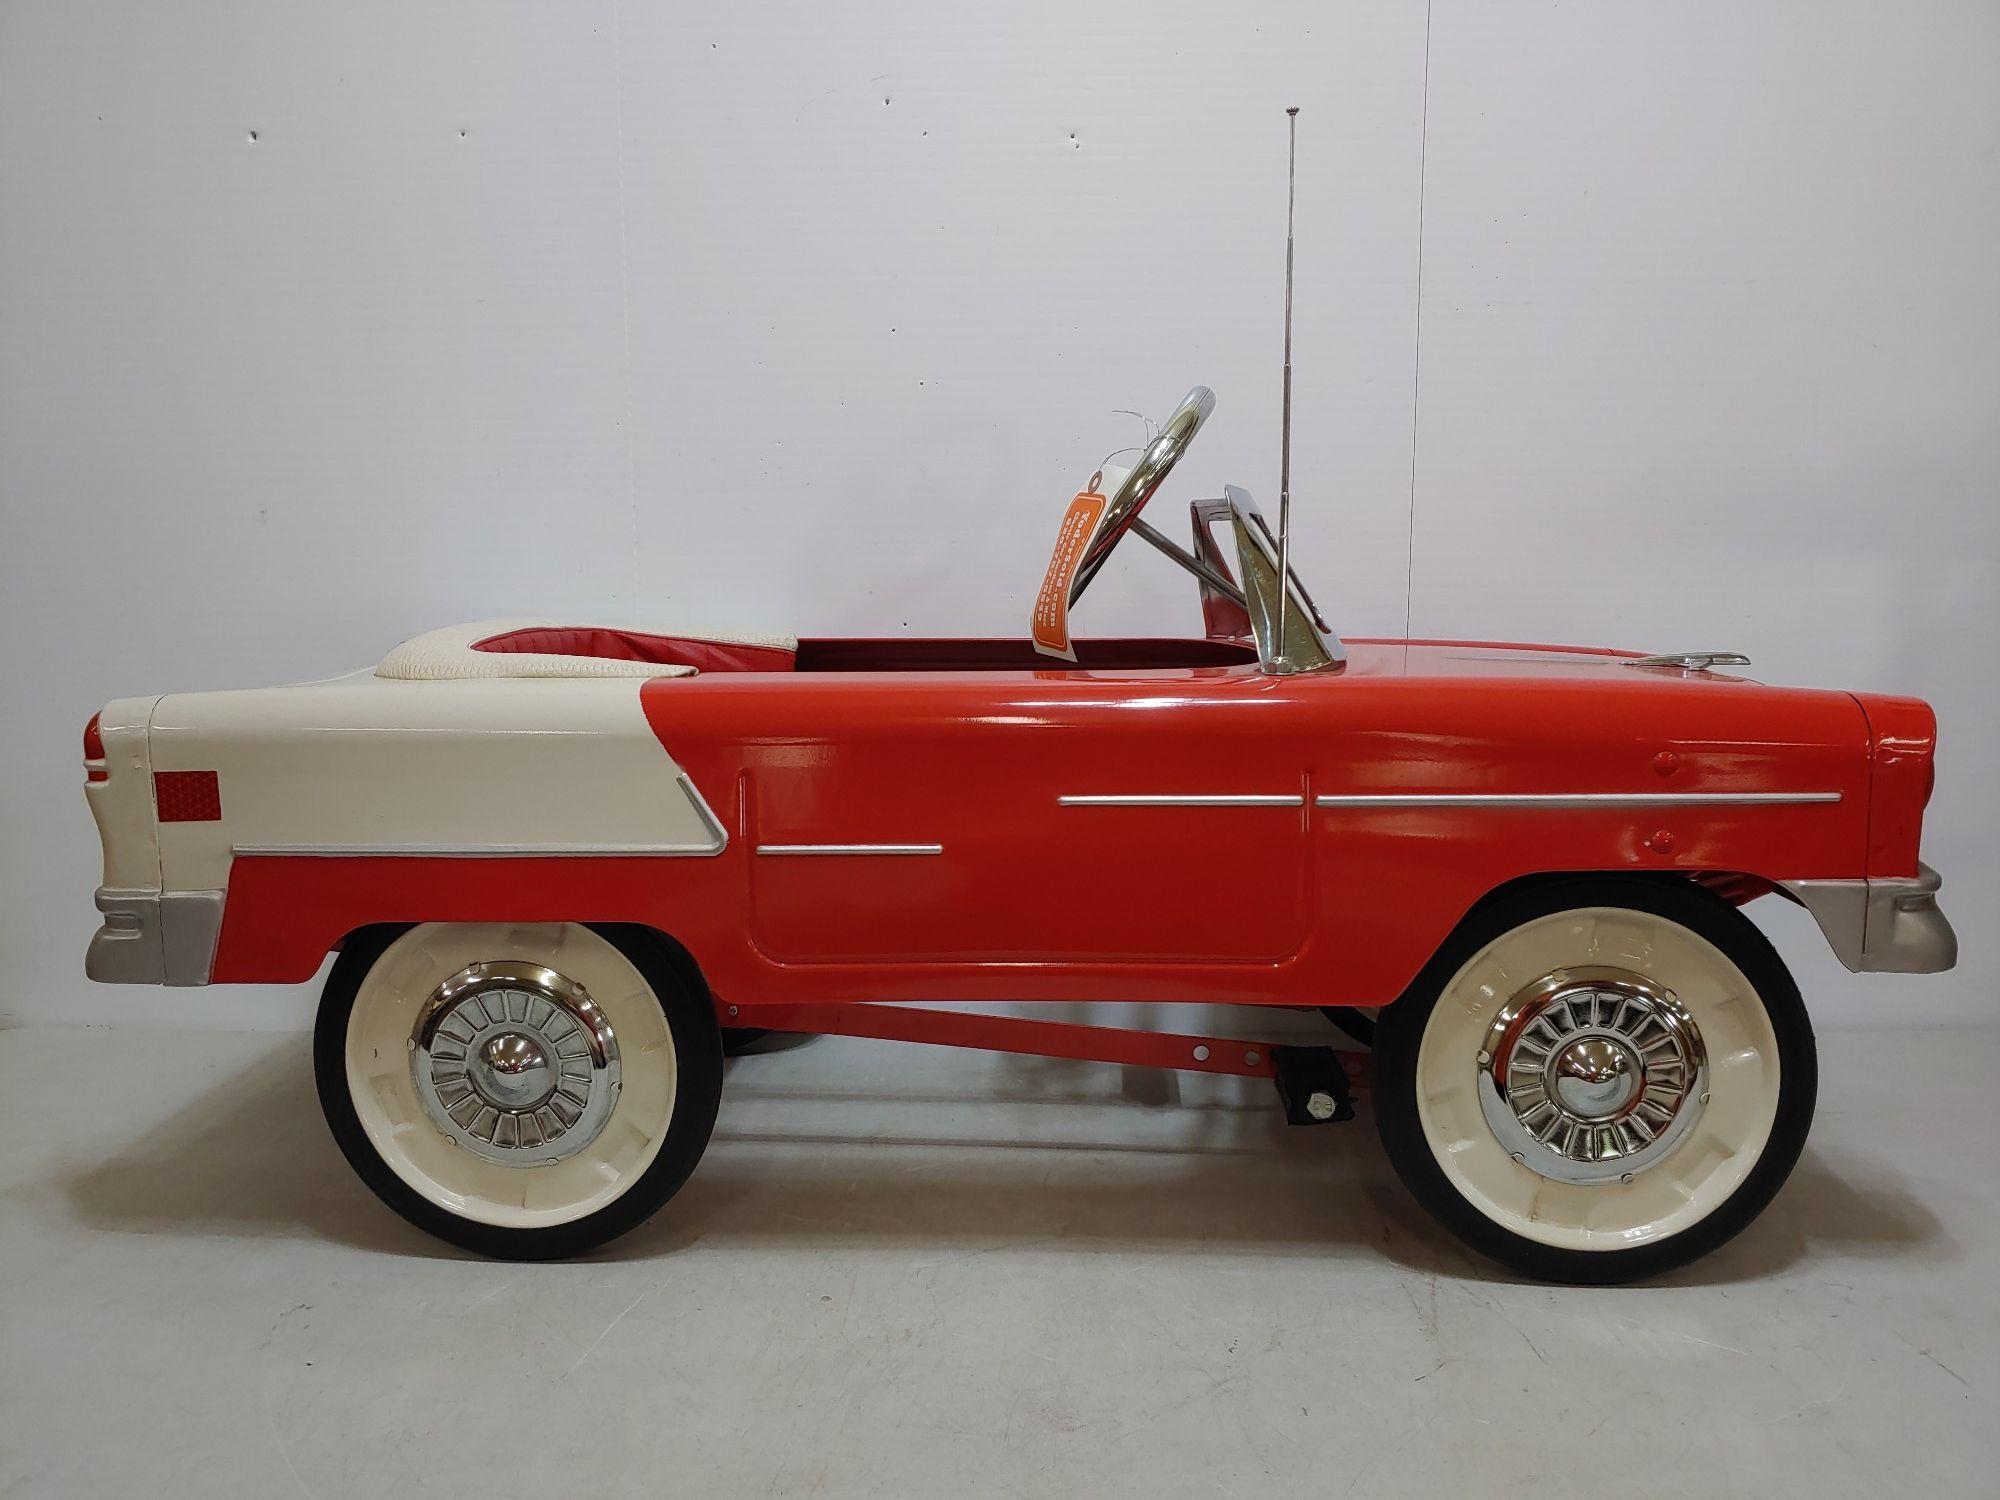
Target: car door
[(1030, 818)]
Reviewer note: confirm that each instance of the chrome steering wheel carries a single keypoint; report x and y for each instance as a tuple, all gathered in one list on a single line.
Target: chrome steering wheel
[(1154, 465)]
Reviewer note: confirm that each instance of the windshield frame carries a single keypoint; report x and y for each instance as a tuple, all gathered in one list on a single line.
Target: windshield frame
[(1311, 644)]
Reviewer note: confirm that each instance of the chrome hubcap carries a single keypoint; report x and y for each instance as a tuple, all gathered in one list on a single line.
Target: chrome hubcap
[(1592, 1075), (512, 1070), (515, 1063), (1596, 1078)]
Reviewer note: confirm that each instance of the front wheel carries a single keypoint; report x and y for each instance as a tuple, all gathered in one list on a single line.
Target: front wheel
[(1597, 1080), (525, 1091)]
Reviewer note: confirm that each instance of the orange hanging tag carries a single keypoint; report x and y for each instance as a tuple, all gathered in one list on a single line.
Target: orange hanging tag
[(1049, 626)]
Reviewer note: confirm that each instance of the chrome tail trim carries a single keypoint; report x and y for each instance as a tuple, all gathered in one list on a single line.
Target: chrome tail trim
[(712, 825), (480, 851), (1146, 799), (839, 849)]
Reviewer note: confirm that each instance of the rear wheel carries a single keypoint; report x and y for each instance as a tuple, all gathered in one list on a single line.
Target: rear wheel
[(526, 1091), (1597, 1080)]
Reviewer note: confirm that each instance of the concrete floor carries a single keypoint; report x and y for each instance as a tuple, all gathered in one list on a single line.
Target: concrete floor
[(905, 1271)]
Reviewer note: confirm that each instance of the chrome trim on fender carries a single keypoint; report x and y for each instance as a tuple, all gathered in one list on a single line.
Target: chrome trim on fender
[(716, 842), (1224, 799), (850, 849), (1574, 799), (718, 835), (1882, 926), (153, 938)]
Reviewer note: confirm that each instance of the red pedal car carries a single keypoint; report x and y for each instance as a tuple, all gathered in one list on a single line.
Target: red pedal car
[(558, 861)]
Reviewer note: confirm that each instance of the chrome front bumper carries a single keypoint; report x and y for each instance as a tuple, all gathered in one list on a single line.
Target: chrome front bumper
[(1882, 926), (152, 938)]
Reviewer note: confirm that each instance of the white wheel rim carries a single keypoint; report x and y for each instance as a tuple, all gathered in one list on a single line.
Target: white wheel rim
[(1678, 1190), (380, 1037)]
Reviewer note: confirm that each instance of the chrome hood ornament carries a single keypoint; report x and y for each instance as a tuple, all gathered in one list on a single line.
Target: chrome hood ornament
[(1692, 661)]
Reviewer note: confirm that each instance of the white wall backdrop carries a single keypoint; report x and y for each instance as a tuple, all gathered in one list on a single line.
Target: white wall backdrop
[(321, 325)]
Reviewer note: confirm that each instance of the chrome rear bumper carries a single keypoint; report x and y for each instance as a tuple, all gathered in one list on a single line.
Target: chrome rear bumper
[(152, 938), (1882, 926)]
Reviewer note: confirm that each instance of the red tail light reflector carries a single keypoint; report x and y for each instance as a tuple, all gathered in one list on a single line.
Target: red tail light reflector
[(93, 751), (187, 796)]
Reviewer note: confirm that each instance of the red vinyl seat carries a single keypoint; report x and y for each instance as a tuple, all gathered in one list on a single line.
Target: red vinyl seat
[(634, 645)]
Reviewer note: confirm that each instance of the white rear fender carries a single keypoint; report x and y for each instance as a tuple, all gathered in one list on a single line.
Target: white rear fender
[(365, 766), (120, 793)]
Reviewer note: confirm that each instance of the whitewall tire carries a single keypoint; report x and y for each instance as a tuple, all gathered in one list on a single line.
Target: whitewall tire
[(1597, 1079), (522, 1090)]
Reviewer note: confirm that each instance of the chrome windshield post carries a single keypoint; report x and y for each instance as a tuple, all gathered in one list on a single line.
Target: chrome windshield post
[(1291, 634)]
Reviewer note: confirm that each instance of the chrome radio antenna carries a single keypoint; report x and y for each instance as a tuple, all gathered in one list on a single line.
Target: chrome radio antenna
[(1285, 425)]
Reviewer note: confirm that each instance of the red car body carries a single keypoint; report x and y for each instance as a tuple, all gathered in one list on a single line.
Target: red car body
[(1213, 868)]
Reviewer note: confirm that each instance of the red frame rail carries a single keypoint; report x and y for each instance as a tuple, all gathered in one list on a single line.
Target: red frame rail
[(1024, 1036)]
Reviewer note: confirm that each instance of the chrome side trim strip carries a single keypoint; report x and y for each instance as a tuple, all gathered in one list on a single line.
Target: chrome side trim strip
[(1223, 799), (1575, 799), (850, 848), (480, 851)]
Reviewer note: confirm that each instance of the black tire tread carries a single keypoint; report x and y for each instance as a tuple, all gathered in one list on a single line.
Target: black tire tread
[(1400, 1030), (698, 1092)]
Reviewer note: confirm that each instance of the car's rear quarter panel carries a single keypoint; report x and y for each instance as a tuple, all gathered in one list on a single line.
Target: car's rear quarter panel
[(363, 763)]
